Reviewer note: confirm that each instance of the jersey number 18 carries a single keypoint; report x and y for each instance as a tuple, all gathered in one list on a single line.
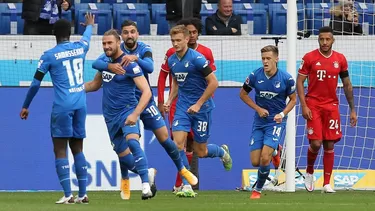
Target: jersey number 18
[(75, 74)]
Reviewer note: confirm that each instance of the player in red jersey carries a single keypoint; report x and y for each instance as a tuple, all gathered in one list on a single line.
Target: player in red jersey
[(320, 106), (194, 26)]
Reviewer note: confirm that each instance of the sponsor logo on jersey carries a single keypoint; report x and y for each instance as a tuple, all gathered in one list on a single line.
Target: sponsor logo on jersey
[(318, 64), (261, 81), (247, 81), (268, 95), (301, 65), (40, 63), (107, 76), (180, 77), (136, 69)]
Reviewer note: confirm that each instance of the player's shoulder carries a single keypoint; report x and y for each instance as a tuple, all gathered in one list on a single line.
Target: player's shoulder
[(257, 71), (312, 54), (133, 68), (144, 46), (195, 54), (285, 75), (170, 52), (338, 54), (203, 49)]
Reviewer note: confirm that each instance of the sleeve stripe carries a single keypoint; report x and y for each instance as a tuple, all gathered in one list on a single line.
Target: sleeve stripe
[(302, 74), (164, 70)]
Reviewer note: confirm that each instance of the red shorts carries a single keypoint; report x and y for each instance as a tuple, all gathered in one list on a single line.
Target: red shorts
[(325, 123), (172, 111)]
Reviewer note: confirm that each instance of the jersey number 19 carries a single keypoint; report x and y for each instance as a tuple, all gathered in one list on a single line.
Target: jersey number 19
[(75, 74)]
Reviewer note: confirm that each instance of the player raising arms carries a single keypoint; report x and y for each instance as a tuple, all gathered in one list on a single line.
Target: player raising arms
[(65, 63), (320, 107), (194, 84), (140, 53), (272, 87), (194, 25)]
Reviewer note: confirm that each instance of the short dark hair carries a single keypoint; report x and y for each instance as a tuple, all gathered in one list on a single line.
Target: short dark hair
[(62, 28), (112, 32), (128, 23), (270, 48), (197, 23), (325, 29)]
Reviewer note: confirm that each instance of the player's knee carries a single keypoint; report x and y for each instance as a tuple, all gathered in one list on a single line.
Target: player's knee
[(189, 145), (265, 159), (315, 145), (201, 153), (124, 153), (255, 163), (161, 134)]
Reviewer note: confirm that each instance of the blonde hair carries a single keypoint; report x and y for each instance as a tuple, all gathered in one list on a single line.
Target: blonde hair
[(270, 48), (179, 29)]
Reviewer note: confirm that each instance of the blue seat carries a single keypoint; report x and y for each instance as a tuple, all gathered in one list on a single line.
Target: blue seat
[(271, 1), (366, 17), (278, 19), (10, 19), (140, 14), (103, 17), (256, 16), (159, 13), (118, 1), (318, 15)]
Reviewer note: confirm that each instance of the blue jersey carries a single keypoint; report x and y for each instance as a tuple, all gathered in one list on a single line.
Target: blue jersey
[(270, 93), (141, 51), (188, 72), (65, 62), (119, 91)]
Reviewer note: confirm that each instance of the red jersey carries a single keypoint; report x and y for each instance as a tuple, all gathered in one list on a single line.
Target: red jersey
[(207, 53), (322, 73)]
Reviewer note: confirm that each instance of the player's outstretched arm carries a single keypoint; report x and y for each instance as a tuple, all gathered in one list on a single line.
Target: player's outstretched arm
[(95, 84), (306, 112), (348, 89), (147, 63), (86, 37), (172, 95)]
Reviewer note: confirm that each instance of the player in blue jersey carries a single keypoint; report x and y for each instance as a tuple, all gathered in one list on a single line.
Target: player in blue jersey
[(121, 110), (65, 62), (140, 53), (194, 84), (272, 87)]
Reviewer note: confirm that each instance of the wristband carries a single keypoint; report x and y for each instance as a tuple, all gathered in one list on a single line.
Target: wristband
[(282, 114)]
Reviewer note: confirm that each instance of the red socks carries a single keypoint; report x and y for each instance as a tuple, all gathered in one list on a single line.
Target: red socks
[(311, 157), (328, 159)]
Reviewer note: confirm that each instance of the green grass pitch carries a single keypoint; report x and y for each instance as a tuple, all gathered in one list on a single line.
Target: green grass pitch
[(206, 200)]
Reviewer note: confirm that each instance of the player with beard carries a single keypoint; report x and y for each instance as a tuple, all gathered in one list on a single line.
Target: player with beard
[(320, 107), (194, 26), (141, 54)]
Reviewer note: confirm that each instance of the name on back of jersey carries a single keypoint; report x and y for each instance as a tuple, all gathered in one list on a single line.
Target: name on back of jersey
[(107, 76), (71, 53)]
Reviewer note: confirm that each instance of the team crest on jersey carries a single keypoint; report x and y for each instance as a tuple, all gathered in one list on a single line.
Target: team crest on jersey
[(107, 76), (336, 64), (180, 77), (187, 64), (277, 84), (310, 130)]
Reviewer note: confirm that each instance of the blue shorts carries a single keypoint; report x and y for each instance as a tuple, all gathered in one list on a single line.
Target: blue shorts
[(151, 117), (270, 134), (118, 131), (68, 124), (199, 123)]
